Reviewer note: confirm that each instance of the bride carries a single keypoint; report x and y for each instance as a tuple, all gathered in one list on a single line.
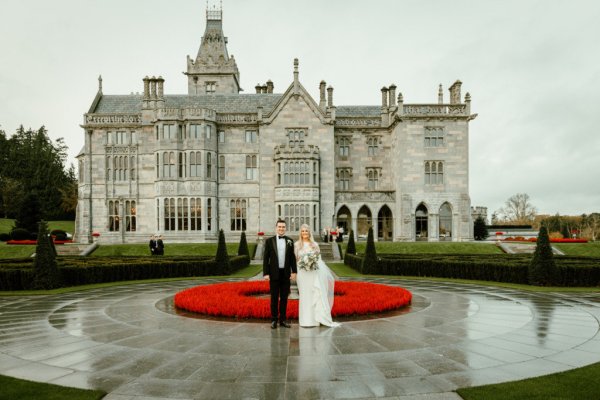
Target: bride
[(315, 282)]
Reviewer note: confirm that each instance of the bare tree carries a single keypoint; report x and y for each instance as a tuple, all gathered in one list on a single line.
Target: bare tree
[(517, 210)]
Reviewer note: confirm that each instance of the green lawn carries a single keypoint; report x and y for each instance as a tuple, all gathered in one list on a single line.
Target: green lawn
[(13, 388), (581, 383), (579, 249), (6, 225), (171, 249), (15, 251), (430, 247)]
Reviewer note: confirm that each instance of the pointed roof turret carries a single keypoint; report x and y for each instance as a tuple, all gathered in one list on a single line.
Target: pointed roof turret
[(213, 70)]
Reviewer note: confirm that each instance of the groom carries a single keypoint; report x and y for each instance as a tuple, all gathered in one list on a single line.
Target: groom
[(279, 263)]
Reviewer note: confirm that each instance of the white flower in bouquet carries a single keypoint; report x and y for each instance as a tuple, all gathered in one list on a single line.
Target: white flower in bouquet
[(309, 261)]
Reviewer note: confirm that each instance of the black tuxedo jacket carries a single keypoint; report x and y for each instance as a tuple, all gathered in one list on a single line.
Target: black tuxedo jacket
[(271, 260)]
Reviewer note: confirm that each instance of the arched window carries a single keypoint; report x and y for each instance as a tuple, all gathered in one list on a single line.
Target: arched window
[(445, 231)]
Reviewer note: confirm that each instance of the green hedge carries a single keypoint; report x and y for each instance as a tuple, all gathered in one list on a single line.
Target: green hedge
[(571, 271), (18, 274)]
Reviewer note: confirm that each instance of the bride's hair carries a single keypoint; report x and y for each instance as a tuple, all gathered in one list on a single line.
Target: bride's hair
[(300, 242)]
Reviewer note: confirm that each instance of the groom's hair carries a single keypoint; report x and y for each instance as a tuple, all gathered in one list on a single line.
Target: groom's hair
[(280, 221)]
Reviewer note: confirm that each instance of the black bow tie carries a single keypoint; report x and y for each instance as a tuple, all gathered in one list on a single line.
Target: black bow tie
[(280, 237)]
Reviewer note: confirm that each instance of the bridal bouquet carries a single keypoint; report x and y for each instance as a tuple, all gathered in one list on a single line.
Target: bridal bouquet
[(309, 261)]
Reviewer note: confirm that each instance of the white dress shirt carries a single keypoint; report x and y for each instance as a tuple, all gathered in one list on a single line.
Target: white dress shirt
[(281, 251)]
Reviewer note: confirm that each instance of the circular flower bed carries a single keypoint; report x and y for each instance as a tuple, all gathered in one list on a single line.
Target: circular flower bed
[(243, 299)]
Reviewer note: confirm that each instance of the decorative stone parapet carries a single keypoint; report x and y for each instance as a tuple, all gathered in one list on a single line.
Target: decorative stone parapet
[(296, 194), (435, 110), (112, 119), (298, 151), (236, 118), (367, 195)]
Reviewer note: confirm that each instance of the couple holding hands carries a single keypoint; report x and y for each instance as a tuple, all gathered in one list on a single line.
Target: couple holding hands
[(301, 261)]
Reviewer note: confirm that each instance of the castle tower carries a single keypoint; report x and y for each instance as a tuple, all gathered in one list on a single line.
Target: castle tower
[(213, 70)]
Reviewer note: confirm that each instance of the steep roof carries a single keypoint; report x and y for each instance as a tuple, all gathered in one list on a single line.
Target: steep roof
[(221, 103), (358, 111)]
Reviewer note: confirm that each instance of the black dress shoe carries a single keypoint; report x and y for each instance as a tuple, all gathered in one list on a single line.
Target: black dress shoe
[(285, 324), (274, 325)]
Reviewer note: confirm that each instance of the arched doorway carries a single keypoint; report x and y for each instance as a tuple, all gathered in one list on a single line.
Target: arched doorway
[(363, 222), (385, 226), (421, 222), (445, 222), (344, 219)]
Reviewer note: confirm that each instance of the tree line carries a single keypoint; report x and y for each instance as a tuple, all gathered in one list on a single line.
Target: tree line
[(34, 183), (518, 210)]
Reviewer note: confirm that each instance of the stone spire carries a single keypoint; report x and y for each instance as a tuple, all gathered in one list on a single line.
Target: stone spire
[(213, 70)]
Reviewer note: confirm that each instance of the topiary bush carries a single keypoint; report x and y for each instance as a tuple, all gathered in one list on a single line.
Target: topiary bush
[(480, 231), (351, 247), (20, 234), (369, 262), (45, 269), (221, 258), (4, 237), (542, 269), (243, 247), (58, 234)]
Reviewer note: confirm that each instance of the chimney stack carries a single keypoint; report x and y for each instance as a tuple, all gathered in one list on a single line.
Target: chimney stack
[(392, 95), (270, 86), (322, 100)]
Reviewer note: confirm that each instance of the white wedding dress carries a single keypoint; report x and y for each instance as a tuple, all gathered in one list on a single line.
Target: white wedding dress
[(315, 289)]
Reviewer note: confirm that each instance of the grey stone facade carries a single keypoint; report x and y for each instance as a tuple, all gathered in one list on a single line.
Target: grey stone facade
[(186, 166)]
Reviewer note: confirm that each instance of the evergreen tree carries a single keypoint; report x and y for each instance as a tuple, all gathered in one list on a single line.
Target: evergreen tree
[(480, 231), (45, 270), (565, 232), (542, 268), (369, 262), (222, 258), (36, 164), (243, 247), (28, 214)]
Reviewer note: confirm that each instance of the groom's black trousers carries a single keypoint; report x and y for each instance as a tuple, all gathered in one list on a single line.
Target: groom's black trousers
[(280, 290)]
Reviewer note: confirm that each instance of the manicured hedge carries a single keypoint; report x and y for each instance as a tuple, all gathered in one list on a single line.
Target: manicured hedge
[(18, 274), (511, 268)]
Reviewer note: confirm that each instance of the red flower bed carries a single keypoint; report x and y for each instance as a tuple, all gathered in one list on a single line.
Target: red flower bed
[(555, 240), (30, 242), (240, 299)]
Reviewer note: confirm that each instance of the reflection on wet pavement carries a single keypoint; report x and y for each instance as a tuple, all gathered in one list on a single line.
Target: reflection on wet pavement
[(129, 341)]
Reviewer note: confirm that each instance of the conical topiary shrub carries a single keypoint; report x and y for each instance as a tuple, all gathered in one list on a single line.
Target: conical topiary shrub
[(243, 247), (45, 270), (542, 268), (350, 248), (222, 259), (369, 262)]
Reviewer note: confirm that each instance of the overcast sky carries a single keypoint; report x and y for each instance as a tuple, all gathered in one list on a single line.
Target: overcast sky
[(531, 67)]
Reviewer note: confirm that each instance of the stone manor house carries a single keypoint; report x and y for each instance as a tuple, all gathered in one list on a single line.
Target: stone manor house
[(188, 165)]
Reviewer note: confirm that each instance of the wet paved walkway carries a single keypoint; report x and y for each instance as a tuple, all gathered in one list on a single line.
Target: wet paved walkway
[(127, 341)]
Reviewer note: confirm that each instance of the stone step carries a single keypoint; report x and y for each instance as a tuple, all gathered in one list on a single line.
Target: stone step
[(70, 249)]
